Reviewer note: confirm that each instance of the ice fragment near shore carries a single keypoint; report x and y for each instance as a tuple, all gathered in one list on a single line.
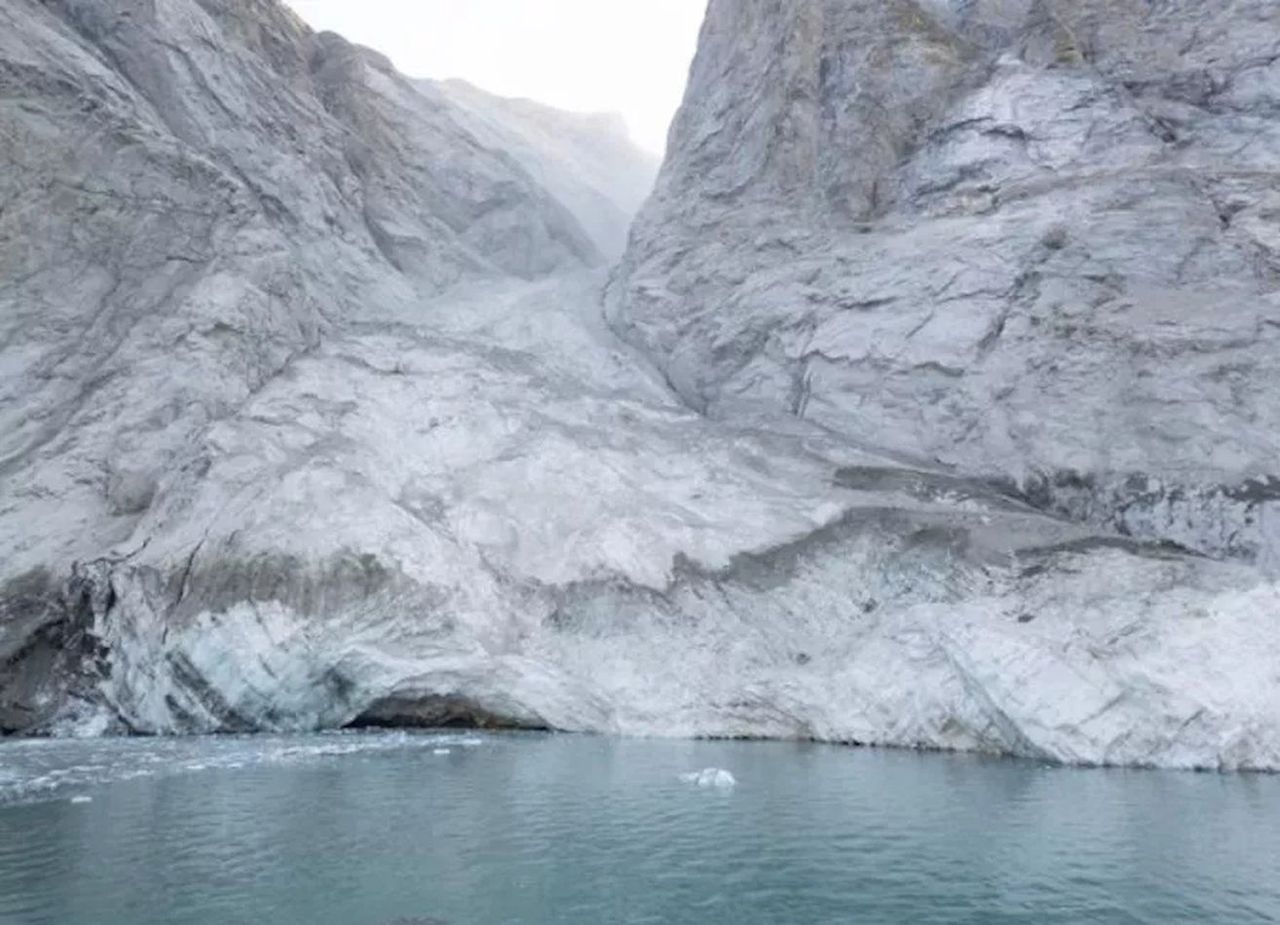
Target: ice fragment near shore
[(710, 777)]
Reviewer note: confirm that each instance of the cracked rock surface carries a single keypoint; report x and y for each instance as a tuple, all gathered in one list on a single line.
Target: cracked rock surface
[(1019, 239), (943, 416)]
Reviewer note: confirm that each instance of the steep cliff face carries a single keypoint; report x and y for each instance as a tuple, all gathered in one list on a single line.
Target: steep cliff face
[(313, 417), (192, 195), (587, 161), (1023, 240)]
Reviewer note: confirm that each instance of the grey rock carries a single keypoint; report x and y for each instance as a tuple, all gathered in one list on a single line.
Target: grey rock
[(1021, 240), (193, 193), (587, 161)]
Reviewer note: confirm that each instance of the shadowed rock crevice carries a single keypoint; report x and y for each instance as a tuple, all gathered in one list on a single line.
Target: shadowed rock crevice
[(51, 654), (438, 712)]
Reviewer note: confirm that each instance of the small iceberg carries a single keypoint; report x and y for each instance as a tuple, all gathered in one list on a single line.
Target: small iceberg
[(81, 799), (710, 777), (442, 751)]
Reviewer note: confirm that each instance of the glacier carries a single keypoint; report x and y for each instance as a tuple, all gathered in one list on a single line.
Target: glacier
[(912, 418)]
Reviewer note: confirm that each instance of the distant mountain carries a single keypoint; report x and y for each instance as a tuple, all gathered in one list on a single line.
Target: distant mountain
[(588, 162)]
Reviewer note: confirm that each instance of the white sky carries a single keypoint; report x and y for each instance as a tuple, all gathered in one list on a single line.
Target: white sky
[(625, 56)]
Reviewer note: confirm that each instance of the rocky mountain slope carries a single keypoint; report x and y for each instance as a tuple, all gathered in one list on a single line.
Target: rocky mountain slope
[(1023, 240), (314, 417), (588, 162), (193, 194)]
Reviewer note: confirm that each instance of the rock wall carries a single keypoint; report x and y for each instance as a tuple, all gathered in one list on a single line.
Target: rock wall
[(1024, 240), (192, 194)]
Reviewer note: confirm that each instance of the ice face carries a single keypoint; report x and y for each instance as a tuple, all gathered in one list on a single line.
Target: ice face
[(350, 441)]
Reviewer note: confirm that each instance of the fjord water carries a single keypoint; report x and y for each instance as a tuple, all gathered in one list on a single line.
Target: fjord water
[(367, 829)]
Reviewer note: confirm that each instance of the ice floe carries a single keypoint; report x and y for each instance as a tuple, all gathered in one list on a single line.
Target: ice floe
[(710, 777)]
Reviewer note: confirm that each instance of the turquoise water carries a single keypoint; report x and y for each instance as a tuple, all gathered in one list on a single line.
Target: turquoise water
[(484, 830)]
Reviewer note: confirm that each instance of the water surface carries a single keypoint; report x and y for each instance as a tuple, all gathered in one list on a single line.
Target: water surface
[(368, 829)]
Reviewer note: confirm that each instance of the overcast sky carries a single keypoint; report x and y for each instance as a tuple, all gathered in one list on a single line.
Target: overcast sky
[(625, 56)]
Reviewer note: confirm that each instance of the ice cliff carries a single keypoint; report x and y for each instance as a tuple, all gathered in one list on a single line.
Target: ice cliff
[(934, 401)]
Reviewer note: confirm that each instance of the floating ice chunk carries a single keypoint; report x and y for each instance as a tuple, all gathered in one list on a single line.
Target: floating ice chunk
[(721, 778), (442, 751), (81, 799), (710, 777)]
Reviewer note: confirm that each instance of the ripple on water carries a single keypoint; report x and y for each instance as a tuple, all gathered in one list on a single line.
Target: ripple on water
[(373, 829), (46, 769)]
